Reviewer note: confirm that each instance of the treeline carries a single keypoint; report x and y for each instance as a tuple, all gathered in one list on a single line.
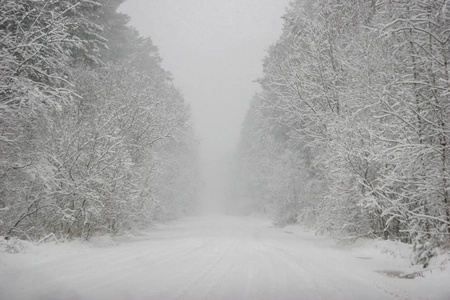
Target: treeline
[(94, 138), (351, 131)]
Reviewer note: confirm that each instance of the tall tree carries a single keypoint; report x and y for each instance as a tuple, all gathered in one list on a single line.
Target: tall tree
[(92, 126), (361, 88)]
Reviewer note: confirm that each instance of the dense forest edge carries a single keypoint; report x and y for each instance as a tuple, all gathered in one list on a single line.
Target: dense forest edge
[(350, 132), (94, 137)]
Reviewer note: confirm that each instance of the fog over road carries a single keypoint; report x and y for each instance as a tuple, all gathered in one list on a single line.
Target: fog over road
[(216, 257)]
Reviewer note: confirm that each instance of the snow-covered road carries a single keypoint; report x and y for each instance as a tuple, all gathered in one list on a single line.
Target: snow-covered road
[(213, 257)]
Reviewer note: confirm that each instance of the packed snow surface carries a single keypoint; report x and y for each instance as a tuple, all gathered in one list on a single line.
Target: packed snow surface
[(217, 257)]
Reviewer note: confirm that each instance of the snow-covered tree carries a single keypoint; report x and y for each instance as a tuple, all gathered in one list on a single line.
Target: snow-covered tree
[(361, 89), (90, 136), (35, 82)]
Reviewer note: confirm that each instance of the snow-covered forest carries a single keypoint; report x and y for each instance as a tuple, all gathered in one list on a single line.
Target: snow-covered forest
[(337, 185), (94, 137), (351, 130)]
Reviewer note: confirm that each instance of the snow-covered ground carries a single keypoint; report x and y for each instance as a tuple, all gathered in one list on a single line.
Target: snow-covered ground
[(216, 257)]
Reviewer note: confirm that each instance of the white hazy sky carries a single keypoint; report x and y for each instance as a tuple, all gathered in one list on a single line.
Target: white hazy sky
[(214, 49)]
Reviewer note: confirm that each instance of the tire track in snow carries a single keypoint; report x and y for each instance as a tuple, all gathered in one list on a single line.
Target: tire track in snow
[(210, 276)]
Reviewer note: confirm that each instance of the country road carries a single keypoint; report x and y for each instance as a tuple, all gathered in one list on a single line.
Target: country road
[(216, 257)]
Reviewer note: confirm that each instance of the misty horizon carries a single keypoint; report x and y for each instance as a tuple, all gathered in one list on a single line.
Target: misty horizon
[(214, 49)]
